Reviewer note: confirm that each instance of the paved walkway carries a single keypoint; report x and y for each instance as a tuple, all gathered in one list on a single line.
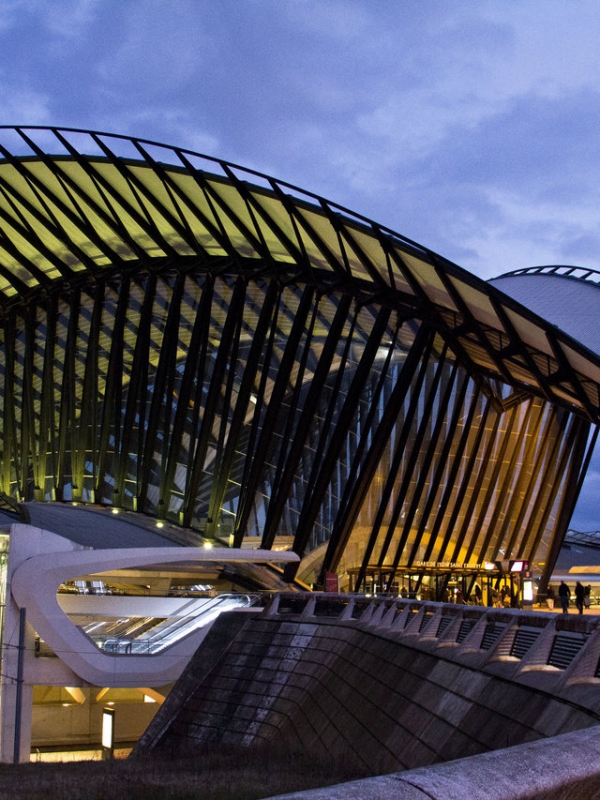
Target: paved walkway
[(595, 610)]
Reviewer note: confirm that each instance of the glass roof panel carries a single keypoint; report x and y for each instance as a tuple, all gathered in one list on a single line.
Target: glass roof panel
[(325, 231), (126, 209), (368, 242), (158, 207), (118, 188), (478, 302), (30, 252), (356, 257), (564, 393), (230, 229), (478, 353), (275, 209), (15, 266), (22, 189), (399, 276), (201, 210), (317, 259), (430, 282), (520, 373), (156, 187), (164, 211), (546, 365), (529, 332), (277, 219), (56, 193), (236, 213), (9, 263), (581, 364), (592, 391), (497, 339), (96, 213), (69, 231)]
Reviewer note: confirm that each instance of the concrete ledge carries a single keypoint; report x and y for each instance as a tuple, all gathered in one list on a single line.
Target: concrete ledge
[(561, 768)]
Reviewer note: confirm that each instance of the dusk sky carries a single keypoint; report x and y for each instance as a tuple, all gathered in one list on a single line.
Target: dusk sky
[(470, 127)]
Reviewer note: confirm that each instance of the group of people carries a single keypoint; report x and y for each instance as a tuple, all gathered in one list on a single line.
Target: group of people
[(583, 597), (500, 598)]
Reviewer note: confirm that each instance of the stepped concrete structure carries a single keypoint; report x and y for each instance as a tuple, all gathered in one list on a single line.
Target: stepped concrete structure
[(391, 684)]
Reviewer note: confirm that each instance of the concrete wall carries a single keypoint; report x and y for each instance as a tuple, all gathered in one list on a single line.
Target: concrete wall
[(561, 768), (362, 686)]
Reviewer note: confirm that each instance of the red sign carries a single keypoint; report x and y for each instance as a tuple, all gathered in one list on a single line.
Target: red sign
[(331, 582)]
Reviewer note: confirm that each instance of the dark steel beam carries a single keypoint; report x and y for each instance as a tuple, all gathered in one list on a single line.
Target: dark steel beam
[(111, 404), (256, 458), (364, 468), (295, 447), (213, 397), (225, 460), (67, 422), (188, 406), (335, 434)]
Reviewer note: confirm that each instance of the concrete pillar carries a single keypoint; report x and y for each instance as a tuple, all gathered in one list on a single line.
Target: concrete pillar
[(16, 695)]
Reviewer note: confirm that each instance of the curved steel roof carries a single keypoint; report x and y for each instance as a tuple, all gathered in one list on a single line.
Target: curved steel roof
[(75, 204), (569, 297)]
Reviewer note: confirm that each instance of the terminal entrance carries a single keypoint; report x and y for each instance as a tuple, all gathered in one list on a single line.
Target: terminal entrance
[(473, 586)]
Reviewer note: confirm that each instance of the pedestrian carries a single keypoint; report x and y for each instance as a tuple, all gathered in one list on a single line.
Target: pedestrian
[(550, 597), (565, 595), (579, 596)]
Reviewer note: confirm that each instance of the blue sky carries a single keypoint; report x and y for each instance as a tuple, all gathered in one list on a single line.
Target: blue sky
[(470, 127)]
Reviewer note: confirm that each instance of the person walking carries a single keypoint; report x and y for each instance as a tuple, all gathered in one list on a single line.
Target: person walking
[(565, 595), (579, 596)]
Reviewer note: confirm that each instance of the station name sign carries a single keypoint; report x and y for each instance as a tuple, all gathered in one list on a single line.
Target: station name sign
[(501, 566), (447, 565)]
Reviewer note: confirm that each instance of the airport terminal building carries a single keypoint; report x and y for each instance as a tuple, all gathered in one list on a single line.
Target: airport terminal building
[(231, 360)]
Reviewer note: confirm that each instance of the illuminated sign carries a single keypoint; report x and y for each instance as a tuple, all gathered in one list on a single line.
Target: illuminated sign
[(446, 565), (513, 566), (528, 591), (331, 582), (108, 729)]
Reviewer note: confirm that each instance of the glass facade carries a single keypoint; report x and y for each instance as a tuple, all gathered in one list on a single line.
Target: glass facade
[(191, 341)]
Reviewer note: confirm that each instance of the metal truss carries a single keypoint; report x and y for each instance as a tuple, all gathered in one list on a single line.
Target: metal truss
[(204, 344)]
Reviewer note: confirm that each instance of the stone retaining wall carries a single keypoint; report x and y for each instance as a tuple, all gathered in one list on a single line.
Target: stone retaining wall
[(563, 768), (305, 678)]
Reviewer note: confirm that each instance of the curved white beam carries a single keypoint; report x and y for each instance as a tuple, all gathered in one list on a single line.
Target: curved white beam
[(34, 587)]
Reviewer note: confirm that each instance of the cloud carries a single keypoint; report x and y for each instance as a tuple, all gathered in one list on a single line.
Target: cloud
[(471, 130), (527, 176), (10, 13), (153, 53), (68, 20), (22, 105)]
